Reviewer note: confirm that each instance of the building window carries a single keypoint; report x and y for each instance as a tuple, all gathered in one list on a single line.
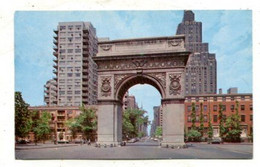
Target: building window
[(223, 98), (232, 107), (70, 50), (205, 98), (232, 98), (197, 108), (215, 108), (215, 98), (243, 118), (205, 118), (189, 118), (242, 107), (205, 108), (77, 74), (77, 92), (242, 97), (224, 107), (77, 50), (197, 99), (251, 107), (197, 118), (189, 108), (215, 118), (251, 117), (62, 28), (69, 74)]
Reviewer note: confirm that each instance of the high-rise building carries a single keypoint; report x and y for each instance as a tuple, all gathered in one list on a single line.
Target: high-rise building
[(50, 93), (201, 70), (75, 71)]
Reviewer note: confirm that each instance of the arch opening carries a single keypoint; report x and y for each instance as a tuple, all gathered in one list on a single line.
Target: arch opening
[(135, 80)]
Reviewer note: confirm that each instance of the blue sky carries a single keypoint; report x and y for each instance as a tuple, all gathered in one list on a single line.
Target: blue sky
[(228, 32)]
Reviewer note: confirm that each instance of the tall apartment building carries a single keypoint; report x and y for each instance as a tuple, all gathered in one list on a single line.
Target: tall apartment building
[(201, 70), (75, 71), (50, 90)]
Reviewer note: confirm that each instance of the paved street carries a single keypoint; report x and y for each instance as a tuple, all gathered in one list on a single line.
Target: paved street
[(140, 150)]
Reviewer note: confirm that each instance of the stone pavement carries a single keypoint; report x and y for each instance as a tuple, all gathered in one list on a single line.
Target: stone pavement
[(139, 150)]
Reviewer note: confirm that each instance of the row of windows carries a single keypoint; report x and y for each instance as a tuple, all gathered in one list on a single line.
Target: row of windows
[(70, 27), (70, 50), (70, 92), (232, 98), (215, 107), (215, 118), (70, 74)]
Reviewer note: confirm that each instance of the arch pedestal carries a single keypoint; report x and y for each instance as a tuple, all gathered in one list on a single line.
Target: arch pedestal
[(173, 123), (109, 123)]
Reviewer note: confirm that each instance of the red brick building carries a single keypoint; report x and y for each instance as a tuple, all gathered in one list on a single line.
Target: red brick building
[(210, 104), (59, 116)]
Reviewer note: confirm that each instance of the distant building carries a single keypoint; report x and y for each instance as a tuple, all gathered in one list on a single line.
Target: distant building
[(50, 93), (157, 119), (129, 102), (232, 90), (201, 69)]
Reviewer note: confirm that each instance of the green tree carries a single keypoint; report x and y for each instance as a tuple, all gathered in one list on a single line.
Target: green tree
[(210, 128), (193, 117), (128, 128), (158, 131), (23, 121), (87, 121), (132, 120), (201, 128), (41, 127), (193, 135), (222, 129), (233, 126), (73, 126)]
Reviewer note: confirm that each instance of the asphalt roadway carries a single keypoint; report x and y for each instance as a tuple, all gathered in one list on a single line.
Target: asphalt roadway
[(146, 149)]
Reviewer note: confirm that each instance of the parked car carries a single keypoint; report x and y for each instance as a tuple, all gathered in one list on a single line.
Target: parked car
[(23, 141), (80, 141), (133, 140), (216, 140)]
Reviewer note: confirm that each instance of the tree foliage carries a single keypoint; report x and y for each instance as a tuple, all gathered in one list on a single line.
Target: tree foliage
[(85, 123), (233, 126), (210, 128), (201, 128), (23, 121), (194, 135), (193, 116), (158, 131), (40, 125), (132, 120), (222, 129)]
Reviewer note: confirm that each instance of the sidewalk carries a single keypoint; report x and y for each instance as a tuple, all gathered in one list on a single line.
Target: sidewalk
[(41, 146)]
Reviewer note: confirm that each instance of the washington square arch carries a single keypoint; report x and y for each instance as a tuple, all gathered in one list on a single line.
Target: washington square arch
[(157, 61)]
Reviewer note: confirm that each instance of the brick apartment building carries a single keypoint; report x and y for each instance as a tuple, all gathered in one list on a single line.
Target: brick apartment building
[(210, 104), (59, 116)]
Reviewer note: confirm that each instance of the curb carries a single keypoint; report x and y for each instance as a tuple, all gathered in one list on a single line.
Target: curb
[(43, 147)]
